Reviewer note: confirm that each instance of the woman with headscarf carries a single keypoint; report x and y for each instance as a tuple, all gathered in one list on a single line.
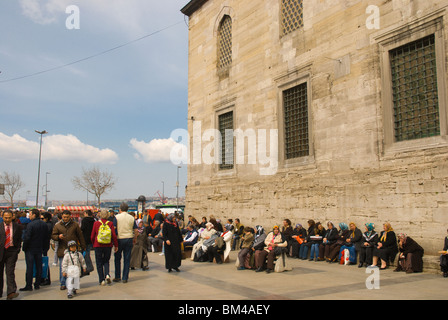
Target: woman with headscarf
[(410, 258), (220, 245), (369, 240), (387, 248), (298, 236), (139, 253), (258, 245), (335, 247), (172, 238), (330, 237), (352, 243), (204, 235), (274, 242)]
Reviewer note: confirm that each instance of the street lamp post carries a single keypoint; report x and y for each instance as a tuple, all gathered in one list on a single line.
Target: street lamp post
[(177, 187), (46, 189), (38, 170)]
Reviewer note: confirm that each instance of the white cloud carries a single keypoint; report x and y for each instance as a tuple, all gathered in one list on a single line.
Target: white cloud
[(157, 150), (54, 147), (134, 16), (42, 13)]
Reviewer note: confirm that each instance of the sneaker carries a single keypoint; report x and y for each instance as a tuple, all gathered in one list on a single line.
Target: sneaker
[(103, 283), (69, 296), (108, 279)]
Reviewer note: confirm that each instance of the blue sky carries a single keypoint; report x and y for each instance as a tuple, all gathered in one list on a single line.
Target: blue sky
[(115, 111)]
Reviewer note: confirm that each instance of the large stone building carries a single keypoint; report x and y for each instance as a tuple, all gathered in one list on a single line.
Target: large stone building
[(351, 93)]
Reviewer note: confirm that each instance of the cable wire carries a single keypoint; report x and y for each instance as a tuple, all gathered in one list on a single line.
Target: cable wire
[(92, 56)]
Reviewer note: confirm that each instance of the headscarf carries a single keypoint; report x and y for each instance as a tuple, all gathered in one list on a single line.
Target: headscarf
[(370, 228), (259, 232), (402, 236), (353, 232), (388, 229), (139, 229), (298, 225), (171, 219), (343, 226)]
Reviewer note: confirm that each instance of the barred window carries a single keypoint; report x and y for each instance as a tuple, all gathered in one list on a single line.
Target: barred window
[(291, 16), (226, 143), (295, 104), (225, 43), (415, 94)]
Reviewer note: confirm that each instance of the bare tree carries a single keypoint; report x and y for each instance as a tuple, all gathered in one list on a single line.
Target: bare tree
[(13, 183), (95, 181)]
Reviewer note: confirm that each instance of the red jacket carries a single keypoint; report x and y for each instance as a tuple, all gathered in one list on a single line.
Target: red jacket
[(96, 227)]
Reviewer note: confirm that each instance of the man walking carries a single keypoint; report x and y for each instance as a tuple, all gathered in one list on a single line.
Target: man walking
[(127, 236), (34, 242), (63, 232), (10, 244)]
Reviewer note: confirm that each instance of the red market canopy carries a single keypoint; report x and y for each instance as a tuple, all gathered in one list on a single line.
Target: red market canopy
[(75, 208)]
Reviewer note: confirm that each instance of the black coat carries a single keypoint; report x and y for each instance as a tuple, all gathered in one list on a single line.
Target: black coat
[(86, 228), (173, 252), (332, 235), (36, 238)]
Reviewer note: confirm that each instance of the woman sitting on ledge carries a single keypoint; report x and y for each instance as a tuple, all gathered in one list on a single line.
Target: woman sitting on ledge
[(369, 242), (274, 244), (386, 248), (410, 258)]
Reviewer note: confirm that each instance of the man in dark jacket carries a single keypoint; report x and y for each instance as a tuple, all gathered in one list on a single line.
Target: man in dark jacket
[(35, 242), (10, 244), (86, 228)]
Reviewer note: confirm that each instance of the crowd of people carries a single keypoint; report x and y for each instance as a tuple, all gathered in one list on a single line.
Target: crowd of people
[(131, 237)]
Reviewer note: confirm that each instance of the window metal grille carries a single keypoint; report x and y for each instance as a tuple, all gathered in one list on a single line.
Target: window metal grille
[(292, 15), (225, 43), (226, 143), (414, 84), (295, 102)]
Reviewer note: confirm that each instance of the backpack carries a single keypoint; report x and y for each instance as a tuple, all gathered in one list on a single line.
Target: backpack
[(104, 233)]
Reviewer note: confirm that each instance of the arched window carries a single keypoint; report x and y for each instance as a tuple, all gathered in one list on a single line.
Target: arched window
[(292, 16), (225, 43)]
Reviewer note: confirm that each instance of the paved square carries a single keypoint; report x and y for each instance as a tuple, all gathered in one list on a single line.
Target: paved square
[(208, 281)]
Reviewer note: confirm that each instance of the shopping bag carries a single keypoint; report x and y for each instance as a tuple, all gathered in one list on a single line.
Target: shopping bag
[(44, 268)]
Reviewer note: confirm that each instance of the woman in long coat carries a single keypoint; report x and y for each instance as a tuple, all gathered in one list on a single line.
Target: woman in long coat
[(172, 238), (139, 253), (386, 248), (410, 258)]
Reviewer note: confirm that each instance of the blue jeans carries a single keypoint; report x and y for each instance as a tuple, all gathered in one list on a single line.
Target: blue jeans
[(314, 251), (62, 279), (125, 248), (303, 251)]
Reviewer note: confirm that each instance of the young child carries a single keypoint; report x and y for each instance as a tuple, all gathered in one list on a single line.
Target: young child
[(71, 267)]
